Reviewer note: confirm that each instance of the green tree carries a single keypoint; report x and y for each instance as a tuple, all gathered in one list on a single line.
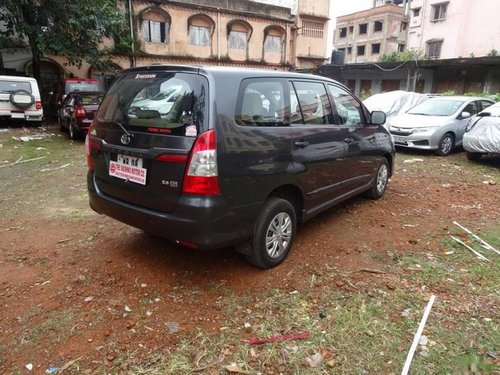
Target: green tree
[(409, 54), (71, 28)]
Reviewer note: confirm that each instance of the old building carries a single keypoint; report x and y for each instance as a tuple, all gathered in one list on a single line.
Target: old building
[(365, 36), (454, 28)]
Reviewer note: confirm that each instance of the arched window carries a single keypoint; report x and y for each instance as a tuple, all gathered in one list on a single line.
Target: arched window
[(155, 25), (273, 39), (201, 28), (239, 33)]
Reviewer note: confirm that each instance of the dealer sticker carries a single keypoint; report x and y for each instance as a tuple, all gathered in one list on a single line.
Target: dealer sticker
[(128, 172)]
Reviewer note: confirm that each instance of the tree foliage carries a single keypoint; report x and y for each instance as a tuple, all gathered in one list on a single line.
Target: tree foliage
[(71, 28), (408, 55)]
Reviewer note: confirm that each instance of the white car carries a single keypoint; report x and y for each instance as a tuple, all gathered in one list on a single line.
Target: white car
[(20, 99), (437, 124), (162, 102), (482, 135)]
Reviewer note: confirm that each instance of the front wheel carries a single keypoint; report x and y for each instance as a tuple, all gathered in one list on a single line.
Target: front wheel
[(274, 233), (473, 156), (446, 145), (380, 181)]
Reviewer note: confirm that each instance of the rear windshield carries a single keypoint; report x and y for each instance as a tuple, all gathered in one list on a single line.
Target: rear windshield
[(88, 99), (170, 103), (81, 86), (11, 86)]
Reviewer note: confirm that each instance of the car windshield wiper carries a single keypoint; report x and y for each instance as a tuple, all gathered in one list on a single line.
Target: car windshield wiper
[(417, 113), (123, 128)]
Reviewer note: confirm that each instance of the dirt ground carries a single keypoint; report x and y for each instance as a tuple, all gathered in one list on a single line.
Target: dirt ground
[(76, 286)]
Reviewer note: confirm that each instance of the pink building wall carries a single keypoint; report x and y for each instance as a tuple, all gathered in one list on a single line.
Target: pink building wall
[(470, 27)]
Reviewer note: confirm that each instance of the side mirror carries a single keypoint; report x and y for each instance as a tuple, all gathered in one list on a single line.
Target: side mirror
[(377, 118), (464, 115), (484, 114)]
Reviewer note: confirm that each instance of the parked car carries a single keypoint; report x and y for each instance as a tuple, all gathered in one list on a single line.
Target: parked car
[(482, 134), (20, 99), (436, 124), (242, 157), (161, 101), (77, 112)]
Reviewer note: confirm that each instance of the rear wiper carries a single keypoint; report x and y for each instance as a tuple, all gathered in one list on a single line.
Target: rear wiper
[(123, 128)]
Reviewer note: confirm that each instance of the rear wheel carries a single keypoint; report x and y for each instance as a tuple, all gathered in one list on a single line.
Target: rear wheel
[(381, 180), (446, 145), (474, 156), (274, 233), (73, 133)]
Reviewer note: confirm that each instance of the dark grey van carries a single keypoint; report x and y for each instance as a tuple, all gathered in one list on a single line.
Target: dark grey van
[(232, 156)]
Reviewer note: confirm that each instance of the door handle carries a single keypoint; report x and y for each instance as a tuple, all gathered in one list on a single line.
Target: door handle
[(348, 140), (301, 144)]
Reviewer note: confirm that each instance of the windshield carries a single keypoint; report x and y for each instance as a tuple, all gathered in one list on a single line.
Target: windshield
[(437, 107), (173, 101), (82, 86), (11, 86), (89, 99)]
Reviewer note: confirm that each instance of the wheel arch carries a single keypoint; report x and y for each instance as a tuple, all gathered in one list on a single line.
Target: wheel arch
[(293, 194)]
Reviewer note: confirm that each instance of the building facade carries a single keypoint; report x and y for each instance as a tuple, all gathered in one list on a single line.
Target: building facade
[(455, 28), (365, 36)]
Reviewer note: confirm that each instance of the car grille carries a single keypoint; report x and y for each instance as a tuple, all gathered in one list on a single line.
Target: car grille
[(401, 132)]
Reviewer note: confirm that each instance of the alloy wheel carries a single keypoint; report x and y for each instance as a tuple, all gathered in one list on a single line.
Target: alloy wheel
[(279, 235)]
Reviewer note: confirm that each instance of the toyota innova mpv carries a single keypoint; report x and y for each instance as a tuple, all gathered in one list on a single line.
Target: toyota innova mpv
[(240, 158)]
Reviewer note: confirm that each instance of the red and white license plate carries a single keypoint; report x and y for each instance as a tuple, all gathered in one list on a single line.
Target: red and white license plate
[(128, 168)]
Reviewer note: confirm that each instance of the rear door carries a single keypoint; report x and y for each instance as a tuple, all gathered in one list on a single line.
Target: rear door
[(317, 143), (140, 154), (360, 139)]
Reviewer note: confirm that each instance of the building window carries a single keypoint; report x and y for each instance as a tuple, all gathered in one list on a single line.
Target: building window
[(237, 40), (272, 44), (416, 12), (378, 26), (351, 29), (363, 28), (404, 26), (154, 31), (401, 47), (375, 48), (439, 12), (199, 35), (361, 51), (313, 29), (434, 49), (349, 50), (343, 32)]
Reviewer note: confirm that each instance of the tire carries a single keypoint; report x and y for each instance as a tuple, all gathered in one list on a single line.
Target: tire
[(274, 233), (380, 181), (73, 133), (473, 156), (21, 99), (446, 145)]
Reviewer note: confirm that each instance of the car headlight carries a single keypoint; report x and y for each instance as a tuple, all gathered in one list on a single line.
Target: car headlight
[(424, 130)]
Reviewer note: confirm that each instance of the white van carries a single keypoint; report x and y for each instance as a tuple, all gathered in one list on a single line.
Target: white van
[(20, 99)]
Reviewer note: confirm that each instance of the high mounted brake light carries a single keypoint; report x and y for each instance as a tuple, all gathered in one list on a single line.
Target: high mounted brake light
[(201, 177)]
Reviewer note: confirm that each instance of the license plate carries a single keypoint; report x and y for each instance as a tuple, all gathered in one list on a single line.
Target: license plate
[(17, 115), (398, 139), (128, 168)]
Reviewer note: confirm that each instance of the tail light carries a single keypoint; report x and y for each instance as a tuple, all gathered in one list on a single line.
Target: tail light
[(201, 176), (38, 104), (80, 112)]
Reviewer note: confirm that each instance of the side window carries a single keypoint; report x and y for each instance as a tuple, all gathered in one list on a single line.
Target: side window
[(471, 108), (485, 104), (261, 103), (313, 103), (347, 108)]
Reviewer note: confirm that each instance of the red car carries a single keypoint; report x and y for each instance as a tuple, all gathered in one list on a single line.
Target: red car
[(77, 111)]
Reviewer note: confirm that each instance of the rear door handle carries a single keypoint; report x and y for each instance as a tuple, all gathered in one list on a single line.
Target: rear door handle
[(348, 140), (301, 144)]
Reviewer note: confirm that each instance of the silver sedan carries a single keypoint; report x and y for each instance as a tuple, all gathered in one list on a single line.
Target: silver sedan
[(437, 124)]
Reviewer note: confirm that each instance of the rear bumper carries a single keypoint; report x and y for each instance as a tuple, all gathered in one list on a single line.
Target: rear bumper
[(203, 221), (84, 125), (22, 115)]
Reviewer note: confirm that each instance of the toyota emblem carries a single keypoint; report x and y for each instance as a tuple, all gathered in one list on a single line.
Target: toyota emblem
[(125, 139)]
